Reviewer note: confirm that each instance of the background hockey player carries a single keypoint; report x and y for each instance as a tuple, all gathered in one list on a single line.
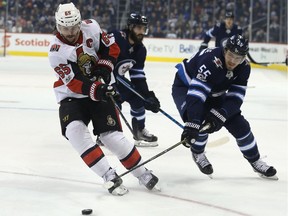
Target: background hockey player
[(80, 53), (221, 31), (132, 49), (210, 87)]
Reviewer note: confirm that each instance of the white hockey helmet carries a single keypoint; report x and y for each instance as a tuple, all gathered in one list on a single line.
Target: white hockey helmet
[(67, 15)]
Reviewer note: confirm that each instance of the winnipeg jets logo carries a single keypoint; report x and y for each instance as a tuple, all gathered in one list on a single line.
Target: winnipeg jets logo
[(110, 121), (217, 62), (125, 65), (229, 74)]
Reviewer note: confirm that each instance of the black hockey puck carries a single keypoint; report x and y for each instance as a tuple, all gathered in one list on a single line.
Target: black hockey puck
[(87, 211)]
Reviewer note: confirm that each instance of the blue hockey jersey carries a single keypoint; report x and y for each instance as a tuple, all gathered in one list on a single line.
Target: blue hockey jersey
[(136, 52), (220, 33), (205, 76)]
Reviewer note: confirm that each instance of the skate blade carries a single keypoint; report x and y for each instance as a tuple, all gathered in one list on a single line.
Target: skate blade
[(269, 177), (120, 191), (210, 176), (145, 144), (156, 188)]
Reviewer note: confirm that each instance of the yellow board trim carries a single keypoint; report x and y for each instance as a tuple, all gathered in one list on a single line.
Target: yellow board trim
[(163, 59), (279, 67), (25, 53)]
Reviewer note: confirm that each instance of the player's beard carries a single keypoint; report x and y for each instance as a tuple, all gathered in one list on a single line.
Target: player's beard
[(136, 38), (71, 38)]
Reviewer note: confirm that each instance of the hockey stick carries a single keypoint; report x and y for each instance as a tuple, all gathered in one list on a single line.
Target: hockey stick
[(121, 114), (110, 184), (262, 63), (118, 108), (127, 84)]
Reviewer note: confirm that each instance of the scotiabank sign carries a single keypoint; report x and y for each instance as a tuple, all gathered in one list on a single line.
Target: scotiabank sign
[(16, 42), (32, 42)]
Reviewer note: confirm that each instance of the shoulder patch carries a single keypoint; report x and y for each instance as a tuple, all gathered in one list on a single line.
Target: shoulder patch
[(217, 62), (55, 48)]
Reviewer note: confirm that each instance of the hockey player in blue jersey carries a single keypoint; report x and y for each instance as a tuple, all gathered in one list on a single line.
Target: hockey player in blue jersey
[(208, 90), (132, 50), (221, 31)]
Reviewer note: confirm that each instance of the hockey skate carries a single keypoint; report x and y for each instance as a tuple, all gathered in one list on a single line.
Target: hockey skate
[(114, 184), (203, 163), (264, 170), (144, 139), (149, 181)]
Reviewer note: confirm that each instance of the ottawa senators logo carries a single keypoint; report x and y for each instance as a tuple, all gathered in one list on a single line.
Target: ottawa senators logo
[(110, 121), (86, 64)]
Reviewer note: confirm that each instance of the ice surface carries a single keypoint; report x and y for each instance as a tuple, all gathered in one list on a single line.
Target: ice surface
[(41, 174)]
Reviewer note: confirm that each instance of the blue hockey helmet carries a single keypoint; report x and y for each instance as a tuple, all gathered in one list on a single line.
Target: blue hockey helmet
[(237, 44), (137, 19)]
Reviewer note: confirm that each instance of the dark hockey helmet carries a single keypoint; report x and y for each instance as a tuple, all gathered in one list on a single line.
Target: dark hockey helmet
[(137, 19), (237, 44)]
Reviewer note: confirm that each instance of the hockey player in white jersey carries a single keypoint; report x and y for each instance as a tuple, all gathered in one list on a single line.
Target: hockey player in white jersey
[(80, 54)]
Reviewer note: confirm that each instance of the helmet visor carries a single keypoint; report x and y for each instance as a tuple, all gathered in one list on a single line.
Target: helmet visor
[(68, 30), (143, 29), (233, 58)]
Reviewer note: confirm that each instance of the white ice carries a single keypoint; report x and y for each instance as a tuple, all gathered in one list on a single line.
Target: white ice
[(42, 175)]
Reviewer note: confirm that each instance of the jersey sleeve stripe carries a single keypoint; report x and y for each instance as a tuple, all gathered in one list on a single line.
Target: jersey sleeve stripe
[(183, 74), (198, 94), (196, 83), (137, 76)]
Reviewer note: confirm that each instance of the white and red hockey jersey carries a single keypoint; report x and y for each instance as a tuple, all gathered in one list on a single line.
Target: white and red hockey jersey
[(93, 47)]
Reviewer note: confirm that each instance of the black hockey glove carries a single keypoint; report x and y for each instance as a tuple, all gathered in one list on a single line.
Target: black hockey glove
[(203, 46), (103, 70), (215, 119), (104, 73), (102, 92), (190, 134), (151, 102)]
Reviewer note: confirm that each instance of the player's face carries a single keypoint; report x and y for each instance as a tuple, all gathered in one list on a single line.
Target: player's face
[(232, 60), (138, 32), (229, 23), (70, 33)]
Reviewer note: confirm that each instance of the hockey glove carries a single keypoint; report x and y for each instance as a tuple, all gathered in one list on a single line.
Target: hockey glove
[(215, 119), (190, 134), (102, 92), (103, 70), (203, 46), (151, 102), (104, 73)]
